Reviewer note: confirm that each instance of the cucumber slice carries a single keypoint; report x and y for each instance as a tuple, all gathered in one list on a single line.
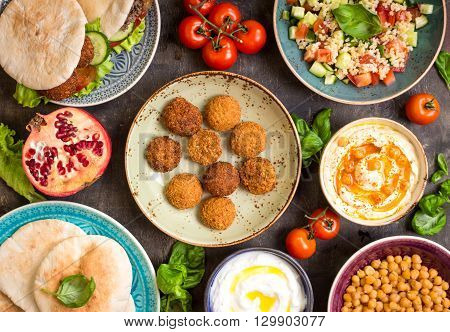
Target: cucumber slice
[(338, 34), (101, 47), (330, 79), (411, 39), (121, 35), (312, 3), (343, 60), (421, 21), (285, 15), (302, 2), (310, 36), (309, 19), (345, 81), (318, 70), (399, 1), (297, 12), (426, 8), (292, 32), (328, 67)]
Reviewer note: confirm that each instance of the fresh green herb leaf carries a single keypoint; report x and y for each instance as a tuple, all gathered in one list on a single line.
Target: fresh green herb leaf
[(311, 144), (74, 291), (301, 125), (11, 170), (437, 176), (445, 189), (423, 224), (443, 65), (193, 258), (181, 301), (28, 97), (442, 163), (412, 3), (133, 39), (430, 204), (322, 126), (357, 21), (170, 276)]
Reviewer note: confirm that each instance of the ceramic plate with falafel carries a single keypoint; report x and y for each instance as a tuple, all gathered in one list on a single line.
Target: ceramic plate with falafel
[(213, 159)]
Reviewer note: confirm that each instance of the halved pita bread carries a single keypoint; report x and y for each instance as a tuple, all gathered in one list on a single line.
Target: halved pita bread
[(41, 41), (23, 252), (6, 305), (112, 13), (93, 256)]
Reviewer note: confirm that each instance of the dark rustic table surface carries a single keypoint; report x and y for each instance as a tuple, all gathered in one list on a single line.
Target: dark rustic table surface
[(111, 193)]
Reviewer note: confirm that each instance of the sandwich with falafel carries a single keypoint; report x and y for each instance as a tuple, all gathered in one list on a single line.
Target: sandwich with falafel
[(61, 49)]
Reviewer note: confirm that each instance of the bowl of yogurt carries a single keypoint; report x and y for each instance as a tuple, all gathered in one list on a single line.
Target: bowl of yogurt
[(259, 280)]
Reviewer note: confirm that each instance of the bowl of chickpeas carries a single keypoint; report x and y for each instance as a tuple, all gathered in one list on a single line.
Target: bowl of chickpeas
[(394, 274)]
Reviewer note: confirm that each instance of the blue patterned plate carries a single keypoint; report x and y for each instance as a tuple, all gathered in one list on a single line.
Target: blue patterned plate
[(144, 289), (129, 67)]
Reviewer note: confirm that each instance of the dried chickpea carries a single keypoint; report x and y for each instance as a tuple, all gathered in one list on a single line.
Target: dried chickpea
[(364, 298), (404, 266), (351, 289), (367, 288), (423, 268), (437, 280), (394, 298), (410, 309), (361, 274), (370, 279), (426, 300), (369, 270), (356, 302), (347, 297), (385, 280), (438, 290), (390, 258), (348, 304), (356, 281), (407, 259), (433, 273), (426, 283), (402, 286), (402, 294), (438, 307), (444, 285), (377, 284), (411, 295), (424, 291), (416, 266), (405, 303), (384, 272), (358, 308), (379, 306), (427, 309), (376, 274), (446, 302), (365, 309), (398, 259), (373, 294), (423, 274), (386, 307), (372, 304), (416, 285), (386, 288), (416, 259), (356, 296), (406, 274), (414, 274), (394, 306), (345, 309), (392, 266), (375, 264)]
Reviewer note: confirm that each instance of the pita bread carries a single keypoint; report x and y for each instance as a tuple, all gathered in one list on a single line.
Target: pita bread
[(6, 305), (112, 13), (41, 41), (131, 307), (23, 252), (93, 256)]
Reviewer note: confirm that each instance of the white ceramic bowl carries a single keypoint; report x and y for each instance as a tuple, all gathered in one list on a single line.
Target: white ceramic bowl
[(416, 193)]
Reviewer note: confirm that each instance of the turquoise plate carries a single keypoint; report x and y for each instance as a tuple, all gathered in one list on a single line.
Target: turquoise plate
[(421, 59), (144, 290), (129, 67)]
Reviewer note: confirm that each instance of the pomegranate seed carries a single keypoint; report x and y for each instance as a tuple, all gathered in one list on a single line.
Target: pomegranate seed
[(85, 163), (54, 152), (96, 136), (68, 114), (32, 151)]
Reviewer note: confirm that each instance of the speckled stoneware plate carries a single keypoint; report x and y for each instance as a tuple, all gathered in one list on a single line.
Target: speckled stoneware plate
[(433, 256), (255, 214), (129, 67), (420, 61), (144, 289)]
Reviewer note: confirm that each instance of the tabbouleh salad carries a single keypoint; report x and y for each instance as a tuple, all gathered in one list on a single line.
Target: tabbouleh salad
[(361, 42)]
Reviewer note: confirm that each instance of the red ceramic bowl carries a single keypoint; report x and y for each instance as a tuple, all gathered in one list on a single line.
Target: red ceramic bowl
[(433, 256)]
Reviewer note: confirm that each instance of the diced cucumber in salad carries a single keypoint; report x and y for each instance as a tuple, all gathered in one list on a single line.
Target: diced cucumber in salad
[(339, 49)]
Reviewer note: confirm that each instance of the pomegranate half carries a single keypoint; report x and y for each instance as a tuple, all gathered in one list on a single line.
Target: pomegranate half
[(67, 150)]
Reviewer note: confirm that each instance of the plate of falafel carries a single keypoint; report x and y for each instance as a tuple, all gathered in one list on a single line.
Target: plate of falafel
[(213, 159)]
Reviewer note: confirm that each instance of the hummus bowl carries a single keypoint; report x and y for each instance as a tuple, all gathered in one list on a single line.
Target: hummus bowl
[(373, 171)]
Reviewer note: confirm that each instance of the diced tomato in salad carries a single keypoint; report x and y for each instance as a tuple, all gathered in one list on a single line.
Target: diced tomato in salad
[(361, 80), (323, 55), (302, 31), (385, 15), (375, 78), (390, 78), (367, 58), (310, 56), (415, 12), (320, 27), (291, 2)]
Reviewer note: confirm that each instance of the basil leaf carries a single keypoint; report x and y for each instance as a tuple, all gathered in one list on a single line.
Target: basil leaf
[(424, 224), (412, 3), (443, 65), (442, 162), (181, 301), (311, 144), (445, 189), (170, 276), (357, 21), (301, 125), (322, 126), (437, 176), (193, 258), (307, 162), (74, 291), (430, 204)]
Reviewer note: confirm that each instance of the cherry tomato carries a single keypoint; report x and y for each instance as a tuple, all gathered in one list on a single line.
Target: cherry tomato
[(253, 37), (189, 32), (205, 9), (325, 224), (422, 108), (300, 243), (221, 56), (223, 12)]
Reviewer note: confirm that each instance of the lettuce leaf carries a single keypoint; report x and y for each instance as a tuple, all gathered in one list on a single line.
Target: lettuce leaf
[(93, 26), (133, 39), (28, 97), (103, 69), (11, 170)]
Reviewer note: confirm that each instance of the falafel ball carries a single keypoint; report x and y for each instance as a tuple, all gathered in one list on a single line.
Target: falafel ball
[(248, 139), (62, 91), (221, 179), (258, 175), (87, 53), (163, 154), (223, 113), (184, 191), (204, 147), (218, 213), (181, 117)]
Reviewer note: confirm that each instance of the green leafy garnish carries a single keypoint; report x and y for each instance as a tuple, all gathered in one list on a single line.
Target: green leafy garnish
[(357, 21), (184, 270), (133, 39), (430, 204), (315, 138), (74, 291), (93, 26), (445, 188), (437, 176), (103, 69), (11, 170), (28, 97), (443, 65), (443, 168)]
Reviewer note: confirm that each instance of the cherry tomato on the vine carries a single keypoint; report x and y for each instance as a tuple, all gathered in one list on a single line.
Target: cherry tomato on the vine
[(325, 224), (224, 12), (253, 36), (205, 9), (300, 243), (220, 55), (191, 32), (422, 108)]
